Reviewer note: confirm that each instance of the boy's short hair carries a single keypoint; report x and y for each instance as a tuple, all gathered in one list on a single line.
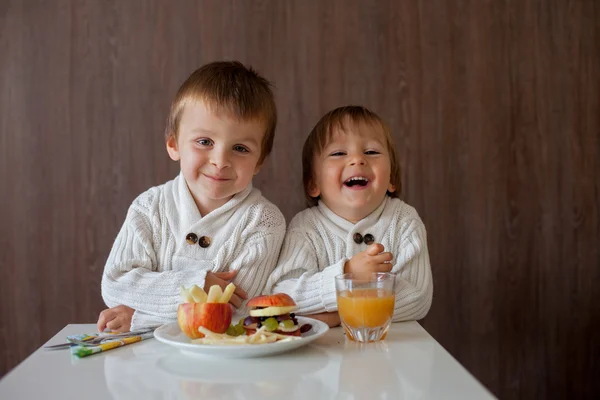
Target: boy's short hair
[(231, 87), (321, 134)]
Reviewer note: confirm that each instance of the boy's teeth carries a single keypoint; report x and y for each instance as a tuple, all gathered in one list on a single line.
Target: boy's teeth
[(357, 178)]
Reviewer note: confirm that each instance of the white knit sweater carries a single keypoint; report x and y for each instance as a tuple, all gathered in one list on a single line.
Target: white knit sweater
[(151, 258), (318, 243)]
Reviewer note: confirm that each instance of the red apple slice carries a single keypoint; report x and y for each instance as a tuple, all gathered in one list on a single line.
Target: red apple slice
[(277, 300), (215, 317)]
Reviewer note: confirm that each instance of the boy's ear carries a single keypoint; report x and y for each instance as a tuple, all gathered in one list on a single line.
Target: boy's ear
[(391, 188), (172, 148), (313, 189), (258, 167)]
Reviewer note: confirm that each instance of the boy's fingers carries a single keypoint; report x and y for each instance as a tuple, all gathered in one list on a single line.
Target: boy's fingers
[(227, 276), (105, 316), (100, 325), (115, 325), (235, 301), (383, 257), (375, 249), (240, 292)]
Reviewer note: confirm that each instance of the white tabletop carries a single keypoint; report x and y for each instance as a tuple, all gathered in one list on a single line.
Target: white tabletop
[(409, 364)]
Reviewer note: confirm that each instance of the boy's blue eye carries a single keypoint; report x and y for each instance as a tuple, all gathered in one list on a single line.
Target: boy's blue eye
[(204, 142), (372, 152), (337, 153), (240, 149)]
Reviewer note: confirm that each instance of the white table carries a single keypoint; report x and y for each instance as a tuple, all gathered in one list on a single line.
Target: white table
[(410, 364)]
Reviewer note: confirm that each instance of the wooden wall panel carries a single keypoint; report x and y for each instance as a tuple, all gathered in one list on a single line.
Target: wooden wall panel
[(494, 107)]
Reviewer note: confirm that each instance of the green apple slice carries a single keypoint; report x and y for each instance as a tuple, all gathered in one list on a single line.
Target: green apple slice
[(198, 294), (185, 295)]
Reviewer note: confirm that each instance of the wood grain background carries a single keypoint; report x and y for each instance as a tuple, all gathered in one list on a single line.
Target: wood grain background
[(495, 109)]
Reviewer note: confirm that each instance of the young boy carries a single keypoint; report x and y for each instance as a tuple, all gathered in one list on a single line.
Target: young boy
[(355, 223), (207, 226)]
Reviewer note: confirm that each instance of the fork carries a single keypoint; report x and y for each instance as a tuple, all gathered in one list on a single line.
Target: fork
[(102, 338), (95, 340), (92, 342), (66, 345)]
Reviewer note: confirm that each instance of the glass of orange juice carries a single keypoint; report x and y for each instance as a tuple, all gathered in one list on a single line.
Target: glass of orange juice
[(366, 305)]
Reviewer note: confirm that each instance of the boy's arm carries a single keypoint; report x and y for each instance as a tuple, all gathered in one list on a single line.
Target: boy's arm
[(256, 262), (332, 319), (257, 255), (414, 285), (298, 275), (131, 278)]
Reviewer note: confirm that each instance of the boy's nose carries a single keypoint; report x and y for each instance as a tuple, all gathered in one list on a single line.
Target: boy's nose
[(358, 160), (219, 159)]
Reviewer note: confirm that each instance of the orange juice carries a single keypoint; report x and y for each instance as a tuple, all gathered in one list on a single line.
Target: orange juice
[(369, 308)]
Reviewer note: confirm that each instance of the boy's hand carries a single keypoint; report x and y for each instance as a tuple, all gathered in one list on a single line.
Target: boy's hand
[(223, 279), (116, 319), (373, 259)]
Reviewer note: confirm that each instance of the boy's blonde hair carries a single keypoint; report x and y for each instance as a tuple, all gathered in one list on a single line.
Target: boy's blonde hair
[(231, 87), (321, 134)]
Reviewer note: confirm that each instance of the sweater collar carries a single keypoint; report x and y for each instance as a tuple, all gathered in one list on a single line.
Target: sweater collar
[(347, 226), (188, 210)]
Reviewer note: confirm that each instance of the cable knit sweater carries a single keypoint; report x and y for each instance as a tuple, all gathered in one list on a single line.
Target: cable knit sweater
[(151, 257), (318, 243)]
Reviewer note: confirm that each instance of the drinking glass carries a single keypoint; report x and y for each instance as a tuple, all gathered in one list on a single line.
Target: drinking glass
[(366, 304)]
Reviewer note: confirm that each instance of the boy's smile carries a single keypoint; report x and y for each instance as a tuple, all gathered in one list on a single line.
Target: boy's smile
[(352, 173), (218, 154), (357, 182)]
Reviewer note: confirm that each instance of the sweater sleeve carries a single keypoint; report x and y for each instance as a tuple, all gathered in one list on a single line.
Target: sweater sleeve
[(258, 251), (298, 275), (256, 262), (132, 276), (414, 285)]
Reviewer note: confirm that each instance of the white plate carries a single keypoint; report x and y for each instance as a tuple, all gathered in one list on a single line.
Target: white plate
[(173, 336)]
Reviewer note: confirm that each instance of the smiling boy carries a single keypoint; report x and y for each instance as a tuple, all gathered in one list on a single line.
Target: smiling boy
[(355, 223), (209, 225)]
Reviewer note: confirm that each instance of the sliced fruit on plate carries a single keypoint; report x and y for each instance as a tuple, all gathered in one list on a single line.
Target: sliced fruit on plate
[(198, 294), (186, 296), (210, 311), (269, 311), (214, 294), (227, 293)]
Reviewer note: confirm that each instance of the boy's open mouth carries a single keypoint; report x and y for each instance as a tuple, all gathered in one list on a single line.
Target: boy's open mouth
[(356, 181)]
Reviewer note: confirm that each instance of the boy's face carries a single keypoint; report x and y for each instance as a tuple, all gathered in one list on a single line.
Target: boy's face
[(218, 154), (352, 173)]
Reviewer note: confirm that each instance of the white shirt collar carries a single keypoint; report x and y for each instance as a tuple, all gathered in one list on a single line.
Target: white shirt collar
[(188, 210), (347, 226)]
